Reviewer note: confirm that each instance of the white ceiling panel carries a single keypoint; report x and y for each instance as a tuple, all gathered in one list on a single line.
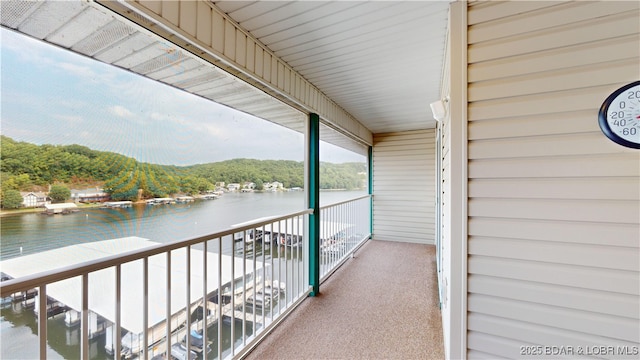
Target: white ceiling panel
[(104, 37), (84, 24), (381, 61), (49, 17)]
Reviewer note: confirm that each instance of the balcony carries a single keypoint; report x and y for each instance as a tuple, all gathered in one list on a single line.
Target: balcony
[(243, 281), (381, 304)]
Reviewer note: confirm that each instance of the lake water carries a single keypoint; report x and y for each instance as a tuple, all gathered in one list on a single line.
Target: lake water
[(31, 233)]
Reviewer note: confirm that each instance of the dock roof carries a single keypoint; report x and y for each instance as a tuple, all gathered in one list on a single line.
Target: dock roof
[(102, 283)]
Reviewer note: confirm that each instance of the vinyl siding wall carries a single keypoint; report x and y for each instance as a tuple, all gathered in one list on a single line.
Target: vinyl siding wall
[(553, 205), (404, 186)]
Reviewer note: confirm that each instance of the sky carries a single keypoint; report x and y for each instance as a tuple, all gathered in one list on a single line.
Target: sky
[(53, 96)]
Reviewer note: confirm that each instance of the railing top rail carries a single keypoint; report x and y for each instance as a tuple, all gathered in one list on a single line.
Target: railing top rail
[(345, 201), (47, 277)]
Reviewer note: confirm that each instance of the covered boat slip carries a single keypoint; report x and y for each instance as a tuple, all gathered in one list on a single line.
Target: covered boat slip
[(102, 284), (295, 228)]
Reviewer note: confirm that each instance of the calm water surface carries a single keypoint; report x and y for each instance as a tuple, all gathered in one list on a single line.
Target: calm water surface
[(31, 233)]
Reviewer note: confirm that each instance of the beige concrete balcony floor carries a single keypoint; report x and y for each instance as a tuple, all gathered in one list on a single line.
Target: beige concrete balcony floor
[(383, 304)]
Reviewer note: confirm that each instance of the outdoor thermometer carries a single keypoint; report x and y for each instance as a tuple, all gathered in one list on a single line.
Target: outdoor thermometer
[(619, 116)]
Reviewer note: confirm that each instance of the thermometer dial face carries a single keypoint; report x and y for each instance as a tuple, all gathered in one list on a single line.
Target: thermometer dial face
[(619, 116)]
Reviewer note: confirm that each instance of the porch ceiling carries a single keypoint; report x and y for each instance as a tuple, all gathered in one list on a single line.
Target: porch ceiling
[(380, 61)]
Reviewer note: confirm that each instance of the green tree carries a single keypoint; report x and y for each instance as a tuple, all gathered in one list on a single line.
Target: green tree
[(12, 199), (59, 193)]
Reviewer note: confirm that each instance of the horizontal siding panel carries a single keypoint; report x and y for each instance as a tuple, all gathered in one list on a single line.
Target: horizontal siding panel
[(567, 188), (403, 203), (612, 280), (606, 165), (605, 211), (544, 19), (400, 180), (399, 196), (418, 146), (400, 136), (558, 80), (422, 221), (549, 103), (481, 12), (498, 347), (576, 33), (572, 122), (404, 234), (607, 257), (418, 156), (625, 47), (479, 355), (416, 230), (625, 235), (623, 305), (563, 318), (533, 334), (576, 144), (554, 206)]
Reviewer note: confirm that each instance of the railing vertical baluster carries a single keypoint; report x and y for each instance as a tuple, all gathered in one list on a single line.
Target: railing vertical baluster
[(264, 276), (84, 340), (42, 321), (233, 298), (343, 231), (273, 245), (330, 232), (220, 307), (324, 228), (280, 264), (244, 295), (187, 308), (255, 284), (145, 303), (294, 260), (292, 276), (303, 247), (205, 302), (168, 303), (287, 253), (117, 352)]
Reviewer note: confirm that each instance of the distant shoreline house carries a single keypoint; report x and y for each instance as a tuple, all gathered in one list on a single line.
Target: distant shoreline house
[(248, 187), (34, 199), (273, 186)]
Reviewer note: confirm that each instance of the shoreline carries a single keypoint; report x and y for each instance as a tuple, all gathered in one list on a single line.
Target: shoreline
[(5, 213)]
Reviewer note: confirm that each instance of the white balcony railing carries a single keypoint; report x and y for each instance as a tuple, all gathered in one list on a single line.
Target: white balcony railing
[(344, 226), (216, 294)]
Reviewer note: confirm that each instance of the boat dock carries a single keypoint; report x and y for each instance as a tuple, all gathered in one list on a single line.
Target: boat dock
[(65, 296)]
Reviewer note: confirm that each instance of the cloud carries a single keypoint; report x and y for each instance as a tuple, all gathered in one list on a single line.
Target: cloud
[(77, 70), (121, 111), (70, 119)]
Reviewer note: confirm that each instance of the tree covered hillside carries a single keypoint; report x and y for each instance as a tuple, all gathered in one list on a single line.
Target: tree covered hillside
[(28, 167)]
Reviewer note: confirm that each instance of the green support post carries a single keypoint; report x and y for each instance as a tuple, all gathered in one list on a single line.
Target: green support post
[(370, 189), (314, 203)]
